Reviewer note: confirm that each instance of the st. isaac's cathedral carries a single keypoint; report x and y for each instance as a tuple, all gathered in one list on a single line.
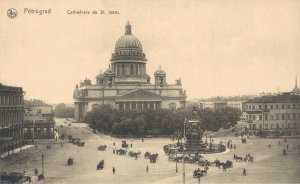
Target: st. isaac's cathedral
[(126, 85)]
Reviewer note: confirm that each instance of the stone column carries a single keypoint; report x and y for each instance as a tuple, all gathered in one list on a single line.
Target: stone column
[(136, 105), (130, 108), (124, 105), (154, 105), (142, 105), (148, 105)]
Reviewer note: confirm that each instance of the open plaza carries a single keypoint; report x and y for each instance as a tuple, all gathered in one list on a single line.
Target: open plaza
[(270, 165)]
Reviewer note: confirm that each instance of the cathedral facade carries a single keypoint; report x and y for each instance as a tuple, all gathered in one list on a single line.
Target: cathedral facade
[(126, 85)]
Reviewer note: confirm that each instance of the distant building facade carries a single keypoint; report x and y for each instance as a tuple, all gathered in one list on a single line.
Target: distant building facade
[(214, 105), (11, 117), (276, 115), (126, 85), (39, 123), (219, 104)]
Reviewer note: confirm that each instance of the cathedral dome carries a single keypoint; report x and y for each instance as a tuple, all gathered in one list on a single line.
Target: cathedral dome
[(128, 41)]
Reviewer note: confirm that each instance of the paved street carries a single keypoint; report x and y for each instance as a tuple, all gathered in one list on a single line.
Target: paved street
[(268, 162)]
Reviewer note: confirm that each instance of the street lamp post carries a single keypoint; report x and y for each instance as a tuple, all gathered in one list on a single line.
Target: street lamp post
[(183, 165), (176, 160)]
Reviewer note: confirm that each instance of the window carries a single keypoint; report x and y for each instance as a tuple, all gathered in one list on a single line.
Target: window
[(294, 115), (260, 117), (282, 116), (295, 125), (253, 106), (259, 106), (45, 130), (288, 125), (276, 106), (271, 106), (288, 106), (266, 126), (25, 130), (283, 126), (172, 106), (272, 126), (253, 117), (254, 126), (294, 106), (282, 106), (277, 116), (266, 117), (266, 106), (277, 126), (288, 116), (260, 126), (272, 117), (31, 130)]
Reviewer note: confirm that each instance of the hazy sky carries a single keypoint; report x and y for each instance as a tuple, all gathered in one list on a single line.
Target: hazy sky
[(216, 47)]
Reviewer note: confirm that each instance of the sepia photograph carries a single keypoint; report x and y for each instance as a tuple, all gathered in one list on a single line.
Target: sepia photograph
[(149, 91)]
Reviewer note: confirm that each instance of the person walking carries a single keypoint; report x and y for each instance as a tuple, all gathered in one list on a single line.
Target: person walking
[(113, 170), (147, 168), (244, 172), (269, 146)]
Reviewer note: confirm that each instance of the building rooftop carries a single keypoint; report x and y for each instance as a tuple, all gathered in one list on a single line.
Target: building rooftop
[(284, 97), (10, 88)]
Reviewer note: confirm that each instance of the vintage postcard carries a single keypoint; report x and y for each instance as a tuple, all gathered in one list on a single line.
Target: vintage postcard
[(149, 91)]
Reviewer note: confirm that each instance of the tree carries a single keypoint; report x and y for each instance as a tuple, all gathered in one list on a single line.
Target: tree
[(62, 111)]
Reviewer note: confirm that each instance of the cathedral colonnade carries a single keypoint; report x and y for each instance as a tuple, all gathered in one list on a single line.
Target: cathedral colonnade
[(138, 105)]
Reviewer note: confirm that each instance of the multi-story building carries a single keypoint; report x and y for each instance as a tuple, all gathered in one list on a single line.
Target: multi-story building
[(38, 122), (214, 105), (11, 117), (126, 85), (274, 115)]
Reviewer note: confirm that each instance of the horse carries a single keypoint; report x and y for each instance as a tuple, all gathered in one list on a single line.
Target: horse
[(238, 159), (101, 148), (153, 158)]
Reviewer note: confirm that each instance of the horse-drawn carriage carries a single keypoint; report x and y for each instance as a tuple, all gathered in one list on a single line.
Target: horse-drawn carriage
[(151, 157), (121, 152), (124, 144), (70, 161), (199, 173), (134, 154), (76, 141), (227, 164), (100, 166), (102, 147), (80, 143)]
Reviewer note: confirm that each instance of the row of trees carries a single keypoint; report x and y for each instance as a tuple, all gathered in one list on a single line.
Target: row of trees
[(156, 122), (63, 111)]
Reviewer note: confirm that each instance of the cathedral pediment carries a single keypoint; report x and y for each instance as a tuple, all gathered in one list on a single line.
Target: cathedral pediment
[(138, 95)]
